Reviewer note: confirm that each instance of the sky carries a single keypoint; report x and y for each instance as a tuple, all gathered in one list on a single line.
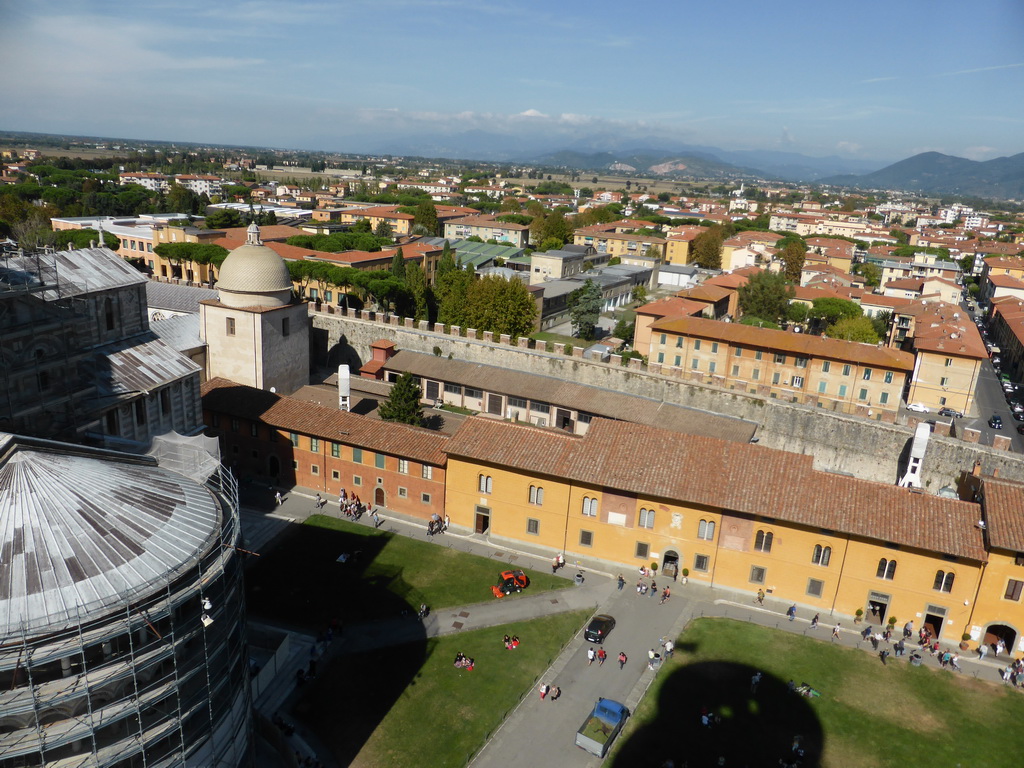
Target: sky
[(869, 80)]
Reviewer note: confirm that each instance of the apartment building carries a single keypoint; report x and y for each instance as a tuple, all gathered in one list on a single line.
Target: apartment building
[(828, 373), (487, 227), (620, 244), (156, 182), (201, 185)]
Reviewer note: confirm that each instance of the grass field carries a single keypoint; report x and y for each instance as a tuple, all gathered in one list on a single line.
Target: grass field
[(300, 583), (409, 705), (868, 715)]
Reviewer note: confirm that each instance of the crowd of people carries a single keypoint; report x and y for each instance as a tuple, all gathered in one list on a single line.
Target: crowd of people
[(462, 661)]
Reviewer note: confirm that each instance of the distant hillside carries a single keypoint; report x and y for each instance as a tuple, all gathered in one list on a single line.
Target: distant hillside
[(933, 173), (694, 165)]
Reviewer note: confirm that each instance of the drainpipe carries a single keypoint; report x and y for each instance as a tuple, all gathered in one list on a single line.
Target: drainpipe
[(842, 567)]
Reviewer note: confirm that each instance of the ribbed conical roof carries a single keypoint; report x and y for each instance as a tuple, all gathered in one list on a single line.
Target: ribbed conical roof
[(83, 533)]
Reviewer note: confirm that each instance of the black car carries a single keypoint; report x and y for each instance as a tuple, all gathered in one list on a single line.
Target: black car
[(598, 628), (996, 422), (1020, 429), (951, 413)]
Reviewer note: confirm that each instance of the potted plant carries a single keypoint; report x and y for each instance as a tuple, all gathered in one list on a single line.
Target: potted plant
[(892, 622), (654, 568), (686, 572), (964, 641), (858, 615)]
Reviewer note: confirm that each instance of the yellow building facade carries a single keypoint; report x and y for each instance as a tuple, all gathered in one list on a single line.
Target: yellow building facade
[(738, 517)]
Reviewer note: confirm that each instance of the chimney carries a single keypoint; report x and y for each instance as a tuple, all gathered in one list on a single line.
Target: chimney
[(976, 469)]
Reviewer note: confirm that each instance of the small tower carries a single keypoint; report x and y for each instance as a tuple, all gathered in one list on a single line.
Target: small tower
[(256, 333)]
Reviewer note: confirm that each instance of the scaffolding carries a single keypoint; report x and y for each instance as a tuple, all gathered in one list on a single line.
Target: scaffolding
[(161, 680)]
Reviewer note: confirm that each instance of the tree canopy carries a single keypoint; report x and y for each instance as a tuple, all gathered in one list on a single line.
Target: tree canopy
[(585, 309), (854, 329), (403, 402), (707, 248), (832, 310), (766, 295), (500, 306)]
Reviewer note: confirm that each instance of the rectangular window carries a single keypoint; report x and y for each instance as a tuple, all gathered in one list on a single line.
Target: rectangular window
[(700, 563), (643, 550), (711, 367), (800, 362), (425, 498), (756, 374), (846, 370), (867, 374), (735, 370), (452, 389), (295, 439), (842, 390), (663, 338), (757, 574), (696, 345), (863, 395), (403, 466), (335, 450), (798, 381), (883, 398), (474, 392), (822, 386), (586, 538), (815, 587), (776, 377), (427, 472), (357, 480), (646, 518), (235, 425), (357, 455), (944, 381), (378, 461), (403, 492), (540, 407), (888, 377), (780, 358), (315, 468), (738, 351), (679, 342), (328, 296), (714, 346), (515, 402), (679, 360), (826, 366), (661, 357), (757, 355), (1013, 589), (532, 526), (695, 364), (229, 328), (949, 361)]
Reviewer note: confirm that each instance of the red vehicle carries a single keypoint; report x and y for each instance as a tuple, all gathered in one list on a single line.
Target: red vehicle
[(509, 582)]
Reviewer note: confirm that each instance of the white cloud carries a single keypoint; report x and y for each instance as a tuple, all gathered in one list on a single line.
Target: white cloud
[(980, 153), (531, 113)]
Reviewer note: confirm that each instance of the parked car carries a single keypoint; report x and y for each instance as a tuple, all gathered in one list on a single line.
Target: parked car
[(1020, 429), (1017, 406), (951, 412), (598, 628), (1018, 416), (918, 407), (996, 360), (509, 582), (996, 422)]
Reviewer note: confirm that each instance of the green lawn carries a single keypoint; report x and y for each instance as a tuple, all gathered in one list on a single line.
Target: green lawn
[(868, 714), (408, 705), (300, 583)]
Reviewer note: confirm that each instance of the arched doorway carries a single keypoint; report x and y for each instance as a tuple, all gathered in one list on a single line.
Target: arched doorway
[(274, 466), (996, 632), (378, 497), (670, 564)]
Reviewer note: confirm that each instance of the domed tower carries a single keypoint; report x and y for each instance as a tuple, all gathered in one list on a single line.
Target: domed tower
[(255, 332)]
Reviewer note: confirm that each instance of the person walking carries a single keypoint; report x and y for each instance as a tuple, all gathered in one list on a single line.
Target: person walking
[(622, 582), (555, 693), (318, 501), (654, 588), (754, 682), (544, 688), (601, 656), (376, 519), (279, 498), (835, 632), (590, 656), (760, 597), (814, 622), (669, 649), (982, 651), (791, 612)]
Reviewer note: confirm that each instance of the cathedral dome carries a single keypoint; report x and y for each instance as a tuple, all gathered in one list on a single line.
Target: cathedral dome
[(254, 275)]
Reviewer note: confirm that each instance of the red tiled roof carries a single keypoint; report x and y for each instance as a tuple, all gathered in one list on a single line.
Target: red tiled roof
[(743, 478), (231, 399), (1003, 501), (797, 343), (672, 306)]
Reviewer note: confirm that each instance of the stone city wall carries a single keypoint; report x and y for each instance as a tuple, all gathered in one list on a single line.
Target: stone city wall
[(862, 447)]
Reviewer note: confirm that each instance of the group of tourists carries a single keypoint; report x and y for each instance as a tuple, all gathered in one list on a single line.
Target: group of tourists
[(462, 661), (511, 643), (350, 506)]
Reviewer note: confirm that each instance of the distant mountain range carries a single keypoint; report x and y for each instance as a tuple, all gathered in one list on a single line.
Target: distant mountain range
[(933, 173), (606, 152)]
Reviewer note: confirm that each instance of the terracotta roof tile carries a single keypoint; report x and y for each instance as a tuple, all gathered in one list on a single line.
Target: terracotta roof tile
[(231, 399), (1003, 501)]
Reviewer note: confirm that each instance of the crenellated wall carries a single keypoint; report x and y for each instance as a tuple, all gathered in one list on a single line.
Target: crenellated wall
[(858, 446)]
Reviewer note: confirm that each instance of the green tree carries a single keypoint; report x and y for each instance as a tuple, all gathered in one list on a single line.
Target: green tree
[(500, 306), (624, 329), (707, 248), (758, 322), (384, 229), (452, 290), (766, 295), (797, 312), (416, 282), (551, 244), (445, 264), (585, 309), (398, 265), (403, 402), (793, 255), (832, 310), (854, 329), (639, 294), (426, 216), (872, 273), (223, 218), (881, 322)]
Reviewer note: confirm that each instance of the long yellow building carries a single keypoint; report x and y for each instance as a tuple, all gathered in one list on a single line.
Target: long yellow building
[(744, 517)]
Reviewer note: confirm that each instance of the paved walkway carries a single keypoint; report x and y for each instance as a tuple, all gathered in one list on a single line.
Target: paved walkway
[(642, 623)]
